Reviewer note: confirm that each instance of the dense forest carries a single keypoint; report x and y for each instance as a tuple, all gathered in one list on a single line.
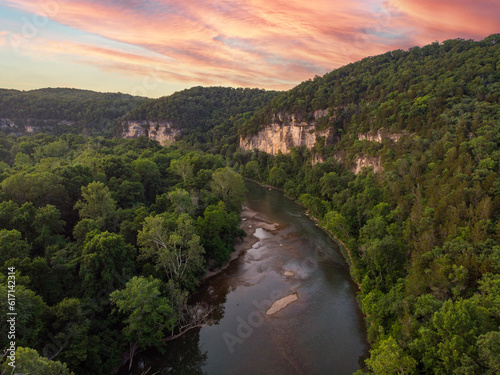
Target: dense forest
[(108, 238), (60, 110), (86, 217)]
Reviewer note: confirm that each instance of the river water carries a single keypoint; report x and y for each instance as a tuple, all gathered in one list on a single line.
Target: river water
[(320, 333)]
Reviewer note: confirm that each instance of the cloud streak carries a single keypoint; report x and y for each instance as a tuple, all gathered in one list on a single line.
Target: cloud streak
[(272, 44)]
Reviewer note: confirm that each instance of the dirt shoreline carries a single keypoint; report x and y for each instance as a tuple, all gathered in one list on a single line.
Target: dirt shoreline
[(250, 221)]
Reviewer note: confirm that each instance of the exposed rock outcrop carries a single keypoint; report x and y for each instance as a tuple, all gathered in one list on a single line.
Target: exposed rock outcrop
[(365, 161), (32, 126), (286, 132), (161, 131), (6, 123), (380, 135)]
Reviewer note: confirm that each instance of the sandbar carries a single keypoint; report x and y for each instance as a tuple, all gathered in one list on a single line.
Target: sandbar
[(282, 303)]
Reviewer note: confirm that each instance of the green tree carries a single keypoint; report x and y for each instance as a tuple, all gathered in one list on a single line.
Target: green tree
[(174, 247), (314, 204), (71, 330), (48, 227), (30, 319), (149, 315), (277, 177), (489, 351), (449, 342), (12, 245), (252, 170), (150, 176), (230, 187), (106, 261), (28, 361), (389, 359), (182, 201), (219, 229), (182, 167), (337, 224), (97, 203), (41, 188)]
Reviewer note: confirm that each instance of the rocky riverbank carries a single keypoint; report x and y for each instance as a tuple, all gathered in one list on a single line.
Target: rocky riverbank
[(250, 222)]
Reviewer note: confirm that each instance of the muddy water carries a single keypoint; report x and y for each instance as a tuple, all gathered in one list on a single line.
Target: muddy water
[(321, 332)]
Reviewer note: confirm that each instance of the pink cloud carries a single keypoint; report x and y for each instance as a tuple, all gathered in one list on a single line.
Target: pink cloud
[(266, 43), (448, 19)]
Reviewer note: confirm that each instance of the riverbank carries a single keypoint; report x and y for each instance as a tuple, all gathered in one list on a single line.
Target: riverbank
[(344, 250), (315, 325), (250, 222)]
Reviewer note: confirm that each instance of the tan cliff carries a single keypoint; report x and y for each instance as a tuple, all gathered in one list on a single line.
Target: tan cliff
[(380, 135), (31, 126), (161, 131), (286, 132), (364, 161)]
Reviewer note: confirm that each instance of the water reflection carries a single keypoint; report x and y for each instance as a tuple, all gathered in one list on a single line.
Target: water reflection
[(322, 332)]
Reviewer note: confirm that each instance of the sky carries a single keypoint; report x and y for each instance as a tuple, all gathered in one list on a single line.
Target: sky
[(156, 47)]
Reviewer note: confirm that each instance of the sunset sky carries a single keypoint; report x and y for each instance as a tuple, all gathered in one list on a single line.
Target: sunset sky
[(155, 47)]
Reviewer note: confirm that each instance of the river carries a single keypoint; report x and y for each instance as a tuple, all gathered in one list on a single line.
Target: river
[(320, 333)]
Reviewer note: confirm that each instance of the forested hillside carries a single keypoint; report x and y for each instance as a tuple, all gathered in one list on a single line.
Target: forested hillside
[(423, 233), (209, 117), (91, 228), (61, 110), (86, 217)]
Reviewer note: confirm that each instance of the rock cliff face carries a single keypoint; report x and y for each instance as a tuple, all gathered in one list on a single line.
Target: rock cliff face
[(161, 131), (285, 132), (380, 135), (31, 126), (364, 161)]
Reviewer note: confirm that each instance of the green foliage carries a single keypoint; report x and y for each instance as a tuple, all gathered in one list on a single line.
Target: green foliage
[(277, 177), (106, 260), (182, 201), (32, 314), (388, 358), (97, 203), (449, 343), (489, 351), (70, 212), (41, 188), (336, 224), (150, 176), (73, 332), (219, 229), (174, 247), (230, 187), (28, 361), (12, 245), (148, 314), (61, 110)]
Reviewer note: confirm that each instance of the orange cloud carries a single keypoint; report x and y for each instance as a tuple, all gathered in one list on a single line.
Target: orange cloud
[(447, 19), (266, 43)]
